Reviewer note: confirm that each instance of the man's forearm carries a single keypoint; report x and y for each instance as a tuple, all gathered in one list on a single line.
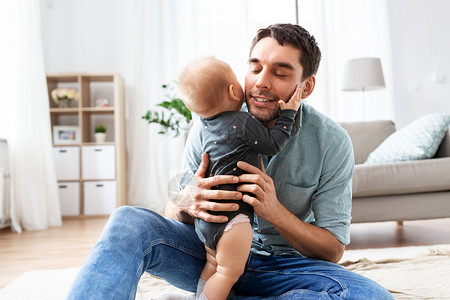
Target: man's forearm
[(176, 213), (310, 240)]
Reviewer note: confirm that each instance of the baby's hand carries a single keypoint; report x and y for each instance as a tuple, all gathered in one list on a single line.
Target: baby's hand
[(294, 102)]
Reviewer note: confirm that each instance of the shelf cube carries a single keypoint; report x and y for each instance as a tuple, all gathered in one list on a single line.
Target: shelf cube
[(69, 198), (67, 162), (99, 197), (98, 162)]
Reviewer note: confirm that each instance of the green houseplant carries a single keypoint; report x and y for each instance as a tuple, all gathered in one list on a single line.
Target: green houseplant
[(100, 133), (100, 128), (174, 117)]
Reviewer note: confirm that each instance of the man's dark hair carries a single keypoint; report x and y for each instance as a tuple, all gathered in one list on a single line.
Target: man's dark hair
[(299, 38)]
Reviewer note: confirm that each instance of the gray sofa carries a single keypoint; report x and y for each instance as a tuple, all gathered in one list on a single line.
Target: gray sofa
[(410, 190)]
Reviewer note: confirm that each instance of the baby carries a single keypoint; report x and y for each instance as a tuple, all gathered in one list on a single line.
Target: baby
[(210, 89)]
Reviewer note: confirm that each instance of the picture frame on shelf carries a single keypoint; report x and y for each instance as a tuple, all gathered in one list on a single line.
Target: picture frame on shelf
[(66, 135)]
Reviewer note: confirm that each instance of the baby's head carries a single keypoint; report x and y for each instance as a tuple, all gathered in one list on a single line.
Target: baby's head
[(208, 86)]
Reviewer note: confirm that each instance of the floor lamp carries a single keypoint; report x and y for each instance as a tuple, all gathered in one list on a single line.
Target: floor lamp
[(363, 74)]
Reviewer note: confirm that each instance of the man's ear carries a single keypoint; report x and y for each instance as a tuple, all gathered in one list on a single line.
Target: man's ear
[(232, 93), (308, 86)]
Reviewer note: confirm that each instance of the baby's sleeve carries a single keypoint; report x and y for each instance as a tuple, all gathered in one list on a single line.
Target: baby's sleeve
[(269, 142)]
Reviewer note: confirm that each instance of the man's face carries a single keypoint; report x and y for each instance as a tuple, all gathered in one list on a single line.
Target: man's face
[(273, 73)]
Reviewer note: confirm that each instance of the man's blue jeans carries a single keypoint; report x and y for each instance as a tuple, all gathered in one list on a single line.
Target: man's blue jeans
[(137, 240)]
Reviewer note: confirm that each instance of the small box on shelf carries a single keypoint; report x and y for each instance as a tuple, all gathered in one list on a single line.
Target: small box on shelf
[(100, 197), (69, 198), (67, 162), (98, 162)]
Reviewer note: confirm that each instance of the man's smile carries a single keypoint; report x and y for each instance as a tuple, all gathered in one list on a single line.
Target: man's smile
[(259, 99)]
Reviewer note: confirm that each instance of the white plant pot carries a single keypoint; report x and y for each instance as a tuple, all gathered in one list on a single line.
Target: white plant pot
[(100, 137)]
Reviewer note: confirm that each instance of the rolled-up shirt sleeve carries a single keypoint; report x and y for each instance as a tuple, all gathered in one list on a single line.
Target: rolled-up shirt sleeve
[(332, 201)]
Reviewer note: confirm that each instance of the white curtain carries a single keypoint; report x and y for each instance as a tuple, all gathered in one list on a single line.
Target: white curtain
[(25, 118), (347, 29)]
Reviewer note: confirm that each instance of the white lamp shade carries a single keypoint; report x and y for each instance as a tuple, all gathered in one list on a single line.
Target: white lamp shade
[(363, 74)]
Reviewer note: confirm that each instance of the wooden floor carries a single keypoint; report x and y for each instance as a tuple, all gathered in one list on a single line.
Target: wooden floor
[(54, 248), (69, 245)]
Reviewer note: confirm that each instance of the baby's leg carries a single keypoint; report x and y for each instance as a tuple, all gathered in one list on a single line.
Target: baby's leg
[(211, 264), (231, 255)]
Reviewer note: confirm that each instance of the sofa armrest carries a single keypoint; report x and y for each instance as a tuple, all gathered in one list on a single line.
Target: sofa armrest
[(418, 176), (444, 148)]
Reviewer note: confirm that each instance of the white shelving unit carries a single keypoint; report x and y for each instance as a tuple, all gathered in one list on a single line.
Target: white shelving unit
[(91, 176)]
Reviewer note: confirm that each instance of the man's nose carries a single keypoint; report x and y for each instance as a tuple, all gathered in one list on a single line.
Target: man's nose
[(263, 81)]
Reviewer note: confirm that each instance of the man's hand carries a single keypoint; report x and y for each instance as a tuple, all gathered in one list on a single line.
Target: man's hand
[(201, 193), (293, 103), (265, 201), (308, 239)]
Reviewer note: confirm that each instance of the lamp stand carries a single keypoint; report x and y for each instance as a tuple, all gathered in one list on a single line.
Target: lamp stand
[(364, 103)]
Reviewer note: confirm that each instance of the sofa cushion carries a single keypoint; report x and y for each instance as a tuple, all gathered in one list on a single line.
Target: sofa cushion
[(420, 176), (366, 136), (418, 140)]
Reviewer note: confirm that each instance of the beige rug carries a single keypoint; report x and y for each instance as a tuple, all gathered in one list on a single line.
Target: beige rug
[(425, 275), (408, 272)]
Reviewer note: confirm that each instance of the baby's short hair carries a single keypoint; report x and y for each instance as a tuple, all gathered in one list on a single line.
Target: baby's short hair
[(203, 80)]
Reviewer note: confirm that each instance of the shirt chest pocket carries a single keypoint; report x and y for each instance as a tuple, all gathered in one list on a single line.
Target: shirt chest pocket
[(295, 198)]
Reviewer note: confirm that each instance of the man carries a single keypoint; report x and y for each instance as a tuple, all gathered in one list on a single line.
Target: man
[(302, 199)]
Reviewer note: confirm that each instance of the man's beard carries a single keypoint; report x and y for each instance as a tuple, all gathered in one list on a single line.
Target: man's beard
[(265, 115)]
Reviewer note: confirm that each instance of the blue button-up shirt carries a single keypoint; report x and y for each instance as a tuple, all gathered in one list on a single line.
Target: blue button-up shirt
[(312, 177)]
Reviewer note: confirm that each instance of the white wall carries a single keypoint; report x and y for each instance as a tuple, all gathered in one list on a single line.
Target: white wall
[(420, 48), (89, 36)]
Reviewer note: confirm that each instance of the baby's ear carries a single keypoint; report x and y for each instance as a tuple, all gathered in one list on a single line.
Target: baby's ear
[(232, 93)]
